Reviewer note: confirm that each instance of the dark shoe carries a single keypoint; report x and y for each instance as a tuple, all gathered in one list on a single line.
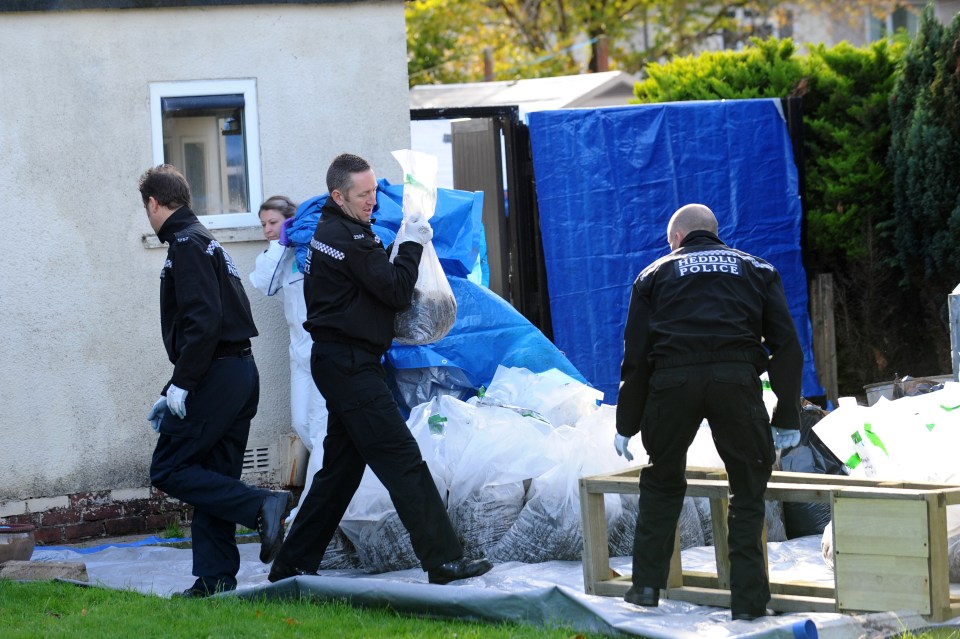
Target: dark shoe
[(280, 570), (273, 511), (750, 616), (643, 596), (197, 592), (458, 569)]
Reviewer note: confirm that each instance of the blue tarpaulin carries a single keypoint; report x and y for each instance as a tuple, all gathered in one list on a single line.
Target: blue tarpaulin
[(488, 331), (608, 181), (456, 222)]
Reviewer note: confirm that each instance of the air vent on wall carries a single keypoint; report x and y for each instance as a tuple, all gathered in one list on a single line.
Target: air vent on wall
[(256, 459)]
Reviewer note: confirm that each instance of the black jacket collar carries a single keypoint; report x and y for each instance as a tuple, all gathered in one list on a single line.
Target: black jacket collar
[(179, 220), (332, 208), (700, 238)]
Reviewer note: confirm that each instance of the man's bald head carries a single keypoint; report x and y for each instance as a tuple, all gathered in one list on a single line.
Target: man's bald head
[(688, 218)]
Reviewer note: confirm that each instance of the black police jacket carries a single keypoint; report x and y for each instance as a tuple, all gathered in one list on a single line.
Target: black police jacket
[(352, 290), (203, 307), (707, 302)]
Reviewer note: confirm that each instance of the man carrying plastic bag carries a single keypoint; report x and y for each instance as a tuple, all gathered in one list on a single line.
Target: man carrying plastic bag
[(353, 294)]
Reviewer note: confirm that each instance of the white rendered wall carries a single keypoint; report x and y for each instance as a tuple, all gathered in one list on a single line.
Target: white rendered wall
[(81, 359)]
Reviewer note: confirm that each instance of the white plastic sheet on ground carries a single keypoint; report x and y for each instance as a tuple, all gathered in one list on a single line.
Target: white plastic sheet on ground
[(549, 593)]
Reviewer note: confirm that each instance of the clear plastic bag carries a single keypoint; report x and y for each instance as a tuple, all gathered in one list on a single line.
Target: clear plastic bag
[(433, 309)]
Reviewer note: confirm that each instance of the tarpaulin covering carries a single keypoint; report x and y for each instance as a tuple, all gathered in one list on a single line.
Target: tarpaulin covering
[(607, 182), (548, 594), (488, 332), (457, 227)]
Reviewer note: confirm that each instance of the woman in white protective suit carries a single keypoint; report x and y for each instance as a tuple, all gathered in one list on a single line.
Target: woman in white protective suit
[(277, 273)]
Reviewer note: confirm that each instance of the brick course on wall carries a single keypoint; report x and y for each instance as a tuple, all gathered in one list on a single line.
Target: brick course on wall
[(98, 514)]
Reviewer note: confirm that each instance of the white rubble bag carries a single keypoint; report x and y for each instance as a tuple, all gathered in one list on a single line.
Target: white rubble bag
[(549, 526), (488, 488), (558, 398), (913, 438)]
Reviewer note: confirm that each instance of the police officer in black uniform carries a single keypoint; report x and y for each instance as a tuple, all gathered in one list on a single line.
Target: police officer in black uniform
[(703, 323), (203, 415), (353, 293)]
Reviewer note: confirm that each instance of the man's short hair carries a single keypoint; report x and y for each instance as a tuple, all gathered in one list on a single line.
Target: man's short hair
[(166, 184), (340, 173)]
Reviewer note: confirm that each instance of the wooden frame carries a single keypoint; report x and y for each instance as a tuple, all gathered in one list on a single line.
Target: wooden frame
[(889, 540)]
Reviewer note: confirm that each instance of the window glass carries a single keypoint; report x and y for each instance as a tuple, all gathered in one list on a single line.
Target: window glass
[(208, 130)]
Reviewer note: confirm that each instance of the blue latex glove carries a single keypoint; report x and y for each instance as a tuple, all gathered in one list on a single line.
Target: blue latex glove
[(177, 401), (284, 229), (620, 443), (785, 437), (157, 413)]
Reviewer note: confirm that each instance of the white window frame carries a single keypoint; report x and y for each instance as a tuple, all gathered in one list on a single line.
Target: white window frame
[(247, 87)]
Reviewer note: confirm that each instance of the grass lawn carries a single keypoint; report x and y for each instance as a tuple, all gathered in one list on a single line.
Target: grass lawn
[(33, 610)]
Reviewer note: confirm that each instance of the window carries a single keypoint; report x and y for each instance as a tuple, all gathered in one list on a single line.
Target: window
[(903, 17), (209, 130)]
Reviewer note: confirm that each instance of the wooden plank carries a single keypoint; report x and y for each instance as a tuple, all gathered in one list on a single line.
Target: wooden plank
[(799, 493), (824, 334), (621, 485), (700, 579), (938, 566), (880, 527), (876, 583), (779, 476), (596, 555), (675, 576), (612, 588), (719, 509)]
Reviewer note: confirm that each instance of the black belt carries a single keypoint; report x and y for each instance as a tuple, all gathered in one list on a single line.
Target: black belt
[(232, 350)]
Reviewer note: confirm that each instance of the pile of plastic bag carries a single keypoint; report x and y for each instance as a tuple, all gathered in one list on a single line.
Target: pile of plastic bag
[(508, 462), (913, 438)]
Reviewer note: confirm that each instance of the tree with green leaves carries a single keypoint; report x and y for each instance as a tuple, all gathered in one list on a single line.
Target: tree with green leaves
[(924, 159), (446, 39)]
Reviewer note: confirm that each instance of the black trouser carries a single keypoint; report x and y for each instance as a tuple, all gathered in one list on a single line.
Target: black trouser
[(364, 428), (199, 460), (729, 396)]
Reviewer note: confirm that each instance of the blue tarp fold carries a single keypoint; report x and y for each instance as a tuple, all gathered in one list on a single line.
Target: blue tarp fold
[(609, 179)]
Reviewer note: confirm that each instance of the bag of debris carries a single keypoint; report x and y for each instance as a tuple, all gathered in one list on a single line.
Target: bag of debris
[(620, 536), (384, 545), (433, 309), (340, 554), (549, 526), (811, 455), (908, 386), (488, 486), (559, 398), (373, 527), (484, 516), (443, 428)]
